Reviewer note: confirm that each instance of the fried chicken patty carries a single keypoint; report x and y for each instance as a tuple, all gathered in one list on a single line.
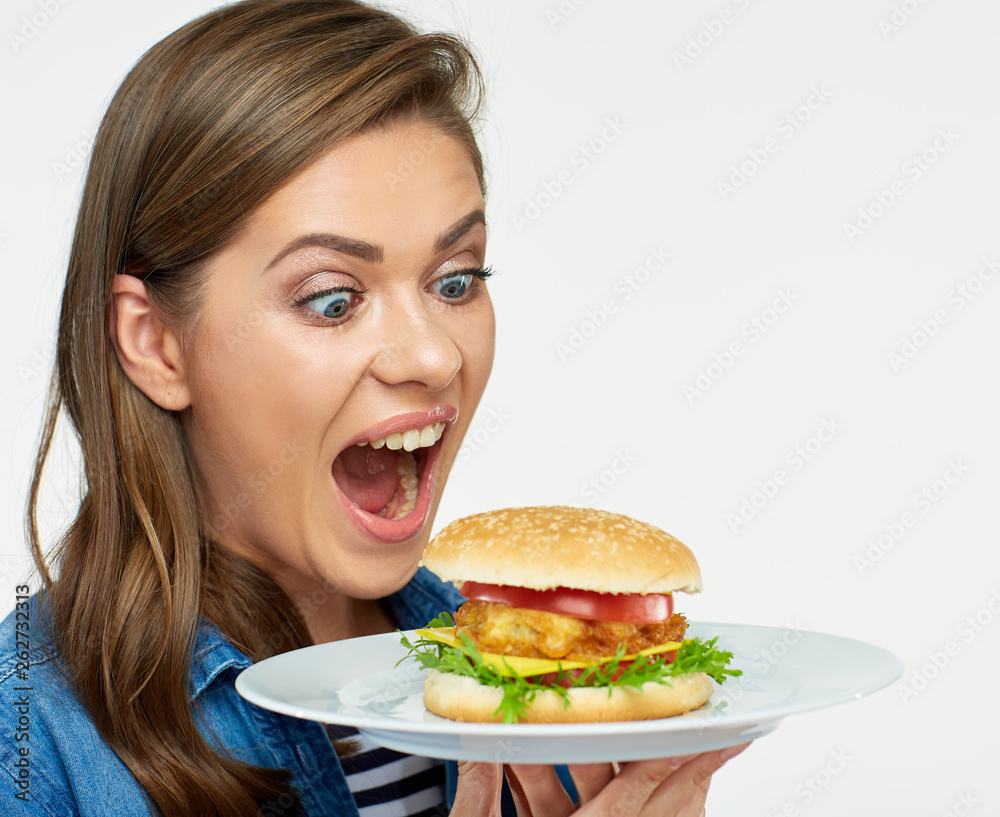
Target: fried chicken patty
[(508, 630)]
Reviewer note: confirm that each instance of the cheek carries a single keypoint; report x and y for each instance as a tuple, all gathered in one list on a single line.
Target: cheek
[(476, 339), (258, 391), (273, 360)]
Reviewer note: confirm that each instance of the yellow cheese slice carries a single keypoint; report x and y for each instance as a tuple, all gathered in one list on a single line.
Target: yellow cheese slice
[(531, 666)]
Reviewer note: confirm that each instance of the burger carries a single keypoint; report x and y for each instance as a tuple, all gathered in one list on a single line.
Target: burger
[(570, 618)]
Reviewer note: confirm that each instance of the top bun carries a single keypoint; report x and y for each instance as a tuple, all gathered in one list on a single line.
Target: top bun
[(562, 546)]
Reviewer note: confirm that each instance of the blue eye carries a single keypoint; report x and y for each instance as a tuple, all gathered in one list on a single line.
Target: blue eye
[(333, 304), (456, 284), (453, 286)]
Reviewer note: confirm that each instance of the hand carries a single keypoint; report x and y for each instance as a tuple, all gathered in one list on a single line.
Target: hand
[(667, 787), (479, 789)]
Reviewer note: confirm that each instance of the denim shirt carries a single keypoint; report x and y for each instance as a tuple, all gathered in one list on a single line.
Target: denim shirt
[(55, 763)]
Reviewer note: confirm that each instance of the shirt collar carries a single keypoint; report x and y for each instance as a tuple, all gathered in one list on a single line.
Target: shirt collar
[(419, 601), (213, 655)]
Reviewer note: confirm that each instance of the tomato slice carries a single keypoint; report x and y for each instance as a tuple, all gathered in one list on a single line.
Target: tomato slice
[(630, 608)]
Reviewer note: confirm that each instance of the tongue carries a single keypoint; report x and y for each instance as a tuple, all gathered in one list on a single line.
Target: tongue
[(367, 476)]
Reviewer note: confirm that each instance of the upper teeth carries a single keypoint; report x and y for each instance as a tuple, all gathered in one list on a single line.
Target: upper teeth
[(409, 440)]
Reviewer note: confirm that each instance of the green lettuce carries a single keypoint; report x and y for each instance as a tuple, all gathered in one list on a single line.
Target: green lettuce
[(694, 655)]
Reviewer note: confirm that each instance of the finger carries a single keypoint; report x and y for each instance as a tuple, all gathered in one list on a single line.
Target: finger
[(727, 754), (684, 792), (479, 788), (590, 779), (537, 791), (635, 784)]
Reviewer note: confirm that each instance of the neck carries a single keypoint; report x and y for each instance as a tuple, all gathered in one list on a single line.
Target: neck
[(339, 617), (328, 613)]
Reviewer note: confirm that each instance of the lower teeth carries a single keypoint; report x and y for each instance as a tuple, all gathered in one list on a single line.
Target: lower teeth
[(406, 467)]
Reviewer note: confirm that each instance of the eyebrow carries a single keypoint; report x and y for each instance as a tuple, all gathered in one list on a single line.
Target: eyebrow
[(374, 253)]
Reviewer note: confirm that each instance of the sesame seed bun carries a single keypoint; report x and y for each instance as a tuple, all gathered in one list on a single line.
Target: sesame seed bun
[(562, 546)]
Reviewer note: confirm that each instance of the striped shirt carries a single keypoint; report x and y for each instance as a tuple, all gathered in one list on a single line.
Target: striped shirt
[(386, 783)]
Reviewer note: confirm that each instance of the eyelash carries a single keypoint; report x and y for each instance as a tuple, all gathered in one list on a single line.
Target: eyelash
[(481, 274), (322, 293)]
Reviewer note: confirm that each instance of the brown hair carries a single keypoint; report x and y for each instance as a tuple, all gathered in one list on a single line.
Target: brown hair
[(207, 125)]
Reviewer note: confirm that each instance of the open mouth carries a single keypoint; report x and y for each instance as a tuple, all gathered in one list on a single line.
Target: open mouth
[(387, 483)]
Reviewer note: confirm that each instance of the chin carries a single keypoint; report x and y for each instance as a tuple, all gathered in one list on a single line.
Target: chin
[(376, 577)]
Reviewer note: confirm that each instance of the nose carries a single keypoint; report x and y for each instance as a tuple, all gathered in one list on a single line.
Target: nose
[(415, 349)]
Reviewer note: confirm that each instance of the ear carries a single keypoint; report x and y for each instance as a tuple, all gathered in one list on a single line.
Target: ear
[(149, 351)]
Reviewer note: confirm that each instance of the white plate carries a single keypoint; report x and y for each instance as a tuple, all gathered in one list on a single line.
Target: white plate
[(356, 683)]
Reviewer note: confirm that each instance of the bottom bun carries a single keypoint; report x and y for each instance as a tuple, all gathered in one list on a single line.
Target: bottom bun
[(462, 698)]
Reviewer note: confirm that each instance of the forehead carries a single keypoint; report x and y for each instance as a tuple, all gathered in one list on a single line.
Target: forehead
[(393, 186)]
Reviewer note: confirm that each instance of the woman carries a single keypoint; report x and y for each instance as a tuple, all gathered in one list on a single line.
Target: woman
[(274, 332)]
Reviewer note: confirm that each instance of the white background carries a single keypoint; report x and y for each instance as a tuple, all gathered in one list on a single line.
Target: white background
[(593, 395)]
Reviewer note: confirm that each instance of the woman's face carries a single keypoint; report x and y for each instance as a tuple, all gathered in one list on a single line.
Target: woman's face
[(348, 319)]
